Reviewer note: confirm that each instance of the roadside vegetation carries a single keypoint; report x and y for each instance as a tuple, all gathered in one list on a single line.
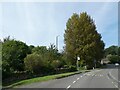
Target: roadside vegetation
[(21, 61), (41, 79), (112, 54)]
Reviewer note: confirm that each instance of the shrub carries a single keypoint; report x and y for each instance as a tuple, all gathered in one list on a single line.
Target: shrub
[(72, 68), (113, 59), (34, 64), (56, 64), (13, 54)]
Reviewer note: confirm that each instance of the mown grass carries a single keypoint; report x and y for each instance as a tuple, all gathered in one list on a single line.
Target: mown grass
[(41, 79)]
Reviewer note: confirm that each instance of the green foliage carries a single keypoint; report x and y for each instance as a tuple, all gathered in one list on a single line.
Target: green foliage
[(72, 68), (82, 39), (113, 50), (34, 63), (119, 51), (31, 47), (53, 53), (49, 54), (112, 53), (56, 64), (13, 53), (114, 59), (0, 58), (50, 58), (39, 50)]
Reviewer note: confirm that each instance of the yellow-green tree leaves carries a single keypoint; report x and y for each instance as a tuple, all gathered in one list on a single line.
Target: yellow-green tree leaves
[(82, 39)]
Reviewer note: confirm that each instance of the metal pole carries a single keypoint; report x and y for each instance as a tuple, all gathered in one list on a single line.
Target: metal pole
[(77, 65)]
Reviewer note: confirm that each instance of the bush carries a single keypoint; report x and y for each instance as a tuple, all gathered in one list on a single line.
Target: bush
[(35, 64), (114, 59), (72, 68), (13, 54), (56, 64)]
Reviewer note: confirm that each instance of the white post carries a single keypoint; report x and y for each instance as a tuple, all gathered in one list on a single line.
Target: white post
[(78, 59)]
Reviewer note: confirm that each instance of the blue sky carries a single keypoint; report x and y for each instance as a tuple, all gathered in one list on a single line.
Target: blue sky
[(40, 23)]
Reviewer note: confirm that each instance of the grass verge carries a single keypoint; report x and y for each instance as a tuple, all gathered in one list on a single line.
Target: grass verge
[(44, 78)]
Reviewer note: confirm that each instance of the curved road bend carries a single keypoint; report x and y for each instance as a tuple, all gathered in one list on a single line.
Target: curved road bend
[(103, 78)]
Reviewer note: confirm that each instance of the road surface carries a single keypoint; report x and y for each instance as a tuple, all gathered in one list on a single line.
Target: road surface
[(102, 78)]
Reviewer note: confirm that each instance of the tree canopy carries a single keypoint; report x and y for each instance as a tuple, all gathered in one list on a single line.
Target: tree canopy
[(13, 53), (82, 39), (113, 50), (112, 53)]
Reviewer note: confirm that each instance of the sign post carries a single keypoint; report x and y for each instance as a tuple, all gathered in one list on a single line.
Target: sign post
[(78, 59)]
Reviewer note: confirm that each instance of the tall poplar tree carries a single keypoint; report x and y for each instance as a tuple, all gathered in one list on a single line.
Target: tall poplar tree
[(82, 39)]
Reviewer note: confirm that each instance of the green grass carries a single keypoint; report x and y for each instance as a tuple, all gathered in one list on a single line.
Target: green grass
[(41, 79)]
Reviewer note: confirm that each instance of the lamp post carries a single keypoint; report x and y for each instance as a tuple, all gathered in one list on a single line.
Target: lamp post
[(57, 42), (78, 59)]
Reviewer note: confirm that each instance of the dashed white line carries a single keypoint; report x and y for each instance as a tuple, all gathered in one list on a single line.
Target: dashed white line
[(108, 77), (116, 86), (81, 76), (74, 81), (78, 78), (69, 86)]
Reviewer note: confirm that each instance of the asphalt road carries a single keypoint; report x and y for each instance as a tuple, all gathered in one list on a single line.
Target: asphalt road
[(102, 78)]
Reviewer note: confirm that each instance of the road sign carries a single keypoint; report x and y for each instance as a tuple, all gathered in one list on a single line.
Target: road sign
[(78, 58)]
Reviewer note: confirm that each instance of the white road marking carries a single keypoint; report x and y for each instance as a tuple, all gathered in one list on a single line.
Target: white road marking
[(116, 86), (78, 78), (112, 75), (74, 81), (108, 77), (69, 86), (81, 76)]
